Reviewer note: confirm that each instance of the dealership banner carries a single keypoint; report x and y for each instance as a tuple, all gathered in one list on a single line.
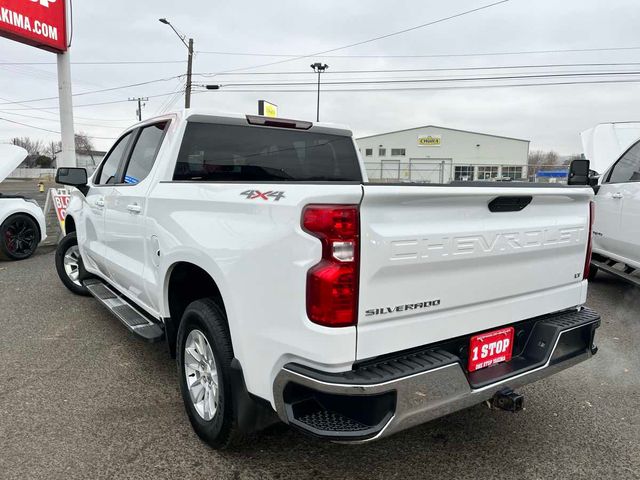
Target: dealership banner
[(430, 141), (39, 23)]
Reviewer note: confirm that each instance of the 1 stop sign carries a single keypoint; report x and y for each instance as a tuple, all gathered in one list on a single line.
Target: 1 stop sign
[(39, 23)]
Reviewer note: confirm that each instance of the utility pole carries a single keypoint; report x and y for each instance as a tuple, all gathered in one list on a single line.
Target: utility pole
[(187, 93), (319, 68), (140, 105), (189, 45)]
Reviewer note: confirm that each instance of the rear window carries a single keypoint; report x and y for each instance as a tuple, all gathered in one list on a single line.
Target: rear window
[(211, 152)]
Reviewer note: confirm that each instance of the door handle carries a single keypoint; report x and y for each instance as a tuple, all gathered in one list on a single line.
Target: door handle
[(99, 203), (616, 195), (134, 208)]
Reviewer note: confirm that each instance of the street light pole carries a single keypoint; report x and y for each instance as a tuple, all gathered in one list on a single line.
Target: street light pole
[(319, 68), (189, 45)]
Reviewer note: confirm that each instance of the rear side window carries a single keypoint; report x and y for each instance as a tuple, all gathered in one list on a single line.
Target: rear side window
[(111, 163), (628, 167), (144, 153), (211, 152)]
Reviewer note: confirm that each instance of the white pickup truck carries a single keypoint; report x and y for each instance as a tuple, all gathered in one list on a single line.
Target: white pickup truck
[(289, 287)]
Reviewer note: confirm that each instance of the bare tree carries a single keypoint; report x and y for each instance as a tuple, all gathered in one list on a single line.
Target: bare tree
[(544, 160), (33, 148)]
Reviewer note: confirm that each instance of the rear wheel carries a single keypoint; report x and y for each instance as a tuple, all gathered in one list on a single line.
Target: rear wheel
[(69, 264), (204, 355), (19, 237)]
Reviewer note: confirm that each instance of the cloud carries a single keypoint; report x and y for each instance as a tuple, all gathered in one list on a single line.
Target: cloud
[(551, 117)]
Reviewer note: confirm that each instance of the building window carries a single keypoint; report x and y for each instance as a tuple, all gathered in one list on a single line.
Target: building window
[(382, 152), (398, 152), (487, 173), (514, 173), (464, 173), (368, 152)]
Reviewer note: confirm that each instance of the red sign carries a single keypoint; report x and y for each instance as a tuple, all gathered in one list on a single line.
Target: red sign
[(490, 348), (40, 23)]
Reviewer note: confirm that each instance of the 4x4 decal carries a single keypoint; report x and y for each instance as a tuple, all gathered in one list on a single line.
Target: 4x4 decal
[(257, 194)]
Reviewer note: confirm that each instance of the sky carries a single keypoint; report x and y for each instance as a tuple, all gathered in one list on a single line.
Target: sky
[(551, 116)]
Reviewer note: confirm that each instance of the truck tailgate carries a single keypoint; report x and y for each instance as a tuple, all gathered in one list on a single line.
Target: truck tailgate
[(438, 263)]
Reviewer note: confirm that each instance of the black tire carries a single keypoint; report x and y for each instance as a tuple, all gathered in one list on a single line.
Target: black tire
[(205, 316), (64, 247), (19, 237), (593, 271)]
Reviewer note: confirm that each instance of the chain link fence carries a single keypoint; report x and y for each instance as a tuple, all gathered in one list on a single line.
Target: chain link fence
[(441, 171)]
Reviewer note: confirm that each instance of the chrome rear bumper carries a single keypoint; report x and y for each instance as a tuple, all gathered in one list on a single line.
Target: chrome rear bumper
[(383, 398)]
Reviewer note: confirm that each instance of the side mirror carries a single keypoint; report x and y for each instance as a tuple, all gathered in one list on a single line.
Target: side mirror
[(579, 172), (74, 177)]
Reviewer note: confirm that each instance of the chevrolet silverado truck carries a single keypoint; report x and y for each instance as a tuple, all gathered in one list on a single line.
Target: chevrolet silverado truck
[(288, 287)]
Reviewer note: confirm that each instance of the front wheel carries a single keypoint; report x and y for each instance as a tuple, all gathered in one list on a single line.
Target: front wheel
[(204, 355), (69, 264), (19, 237)]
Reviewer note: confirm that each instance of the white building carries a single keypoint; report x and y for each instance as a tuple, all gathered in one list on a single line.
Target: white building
[(433, 154)]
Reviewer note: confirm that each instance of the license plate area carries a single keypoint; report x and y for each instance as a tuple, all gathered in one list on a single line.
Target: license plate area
[(490, 348)]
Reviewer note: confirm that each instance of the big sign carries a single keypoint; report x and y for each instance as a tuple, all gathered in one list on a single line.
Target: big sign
[(40, 23)]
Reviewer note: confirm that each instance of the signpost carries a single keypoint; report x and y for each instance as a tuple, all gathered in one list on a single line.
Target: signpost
[(267, 109), (43, 24)]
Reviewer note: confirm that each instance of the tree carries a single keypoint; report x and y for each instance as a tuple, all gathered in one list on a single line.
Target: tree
[(544, 160), (44, 162), (33, 148)]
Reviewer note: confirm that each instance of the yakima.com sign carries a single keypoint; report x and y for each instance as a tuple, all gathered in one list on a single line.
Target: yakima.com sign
[(40, 23)]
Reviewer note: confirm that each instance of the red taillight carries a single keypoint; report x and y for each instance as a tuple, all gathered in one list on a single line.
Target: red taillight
[(332, 284), (587, 262)]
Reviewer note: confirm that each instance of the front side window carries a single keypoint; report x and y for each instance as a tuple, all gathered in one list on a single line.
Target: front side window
[(628, 167), (398, 152), (368, 152), (144, 153), (211, 152), (112, 161)]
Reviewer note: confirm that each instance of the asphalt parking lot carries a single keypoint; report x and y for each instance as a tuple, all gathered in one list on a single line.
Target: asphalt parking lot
[(82, 398)]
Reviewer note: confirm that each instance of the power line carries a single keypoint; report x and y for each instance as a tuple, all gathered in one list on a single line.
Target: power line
[(406, 89), (51, 131), (123, 62), (374, 39), (434, 69), (434, 55), (56, 120), (91, 92), (54, 107), (430, 80)]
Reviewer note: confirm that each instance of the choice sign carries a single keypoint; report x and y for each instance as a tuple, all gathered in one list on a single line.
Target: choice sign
[(39, 23)]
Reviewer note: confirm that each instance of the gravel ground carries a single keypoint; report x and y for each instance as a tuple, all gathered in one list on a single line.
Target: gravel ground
[(81, 398)]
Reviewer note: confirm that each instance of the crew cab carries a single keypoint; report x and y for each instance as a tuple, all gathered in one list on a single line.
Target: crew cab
[(289, 287)]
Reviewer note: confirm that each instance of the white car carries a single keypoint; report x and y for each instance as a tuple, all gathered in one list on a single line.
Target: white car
[(616, 231), (22, 222), (289, 287)]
